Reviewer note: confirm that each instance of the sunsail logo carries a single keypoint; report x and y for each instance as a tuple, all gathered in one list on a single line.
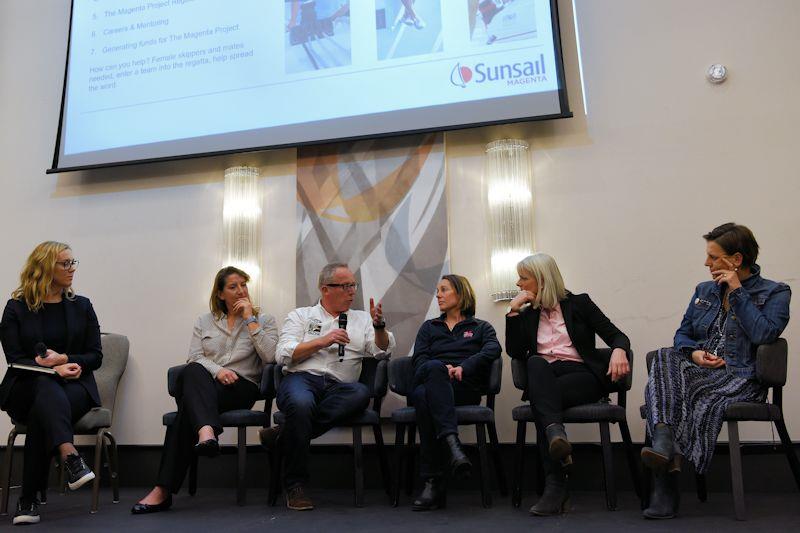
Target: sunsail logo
[(521, 73)]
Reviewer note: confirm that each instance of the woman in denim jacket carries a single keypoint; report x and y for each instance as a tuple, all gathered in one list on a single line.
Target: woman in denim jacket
[(712, 363)]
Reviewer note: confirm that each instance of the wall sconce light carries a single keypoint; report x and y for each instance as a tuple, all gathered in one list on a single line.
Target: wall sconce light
[(241, 222), (509, 194)]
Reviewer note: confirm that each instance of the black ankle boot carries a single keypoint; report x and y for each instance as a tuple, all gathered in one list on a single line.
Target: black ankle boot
[(459, 464), (555, 498), (660, 453), (431, 497), (558, 444), (664, 498)]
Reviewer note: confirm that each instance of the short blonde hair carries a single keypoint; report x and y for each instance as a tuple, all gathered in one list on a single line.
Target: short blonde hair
[(548, 278), (37, 275)]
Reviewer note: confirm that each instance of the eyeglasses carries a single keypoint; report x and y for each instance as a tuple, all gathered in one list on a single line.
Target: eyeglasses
[(344, 286), (69, 264)]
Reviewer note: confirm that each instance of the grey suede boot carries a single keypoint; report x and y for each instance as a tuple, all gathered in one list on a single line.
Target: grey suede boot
[(555, 498), (558, 444), (664, 498), (657, 456)]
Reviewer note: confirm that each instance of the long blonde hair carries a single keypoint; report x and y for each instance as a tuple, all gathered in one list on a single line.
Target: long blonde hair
[(548, 278), (37, 275)]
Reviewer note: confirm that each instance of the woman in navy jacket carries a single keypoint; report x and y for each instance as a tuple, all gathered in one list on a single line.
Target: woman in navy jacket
[(713, 360), (452, 360), (45, 325)]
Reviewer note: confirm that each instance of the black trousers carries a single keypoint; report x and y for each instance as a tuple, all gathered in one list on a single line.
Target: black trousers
[(553, 387), (435, 398), (48, 406), (200, 399)]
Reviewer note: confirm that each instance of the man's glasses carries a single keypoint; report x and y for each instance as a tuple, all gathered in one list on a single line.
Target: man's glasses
[(68, 264), (344, 286)]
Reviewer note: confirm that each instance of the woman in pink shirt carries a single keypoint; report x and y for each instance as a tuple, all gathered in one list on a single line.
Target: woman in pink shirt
[(554, 330)]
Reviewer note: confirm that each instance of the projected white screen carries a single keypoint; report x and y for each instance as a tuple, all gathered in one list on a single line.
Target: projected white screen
[(167, 78)]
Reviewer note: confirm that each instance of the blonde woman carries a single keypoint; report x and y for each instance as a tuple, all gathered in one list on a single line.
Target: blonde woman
[(554, 330), (229, 348), (46, 325)]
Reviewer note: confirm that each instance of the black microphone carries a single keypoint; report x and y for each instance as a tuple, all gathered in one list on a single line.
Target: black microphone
[(41, 350), (342, 325)]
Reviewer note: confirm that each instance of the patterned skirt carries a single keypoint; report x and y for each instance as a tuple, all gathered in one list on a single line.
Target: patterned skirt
[(692, 400)]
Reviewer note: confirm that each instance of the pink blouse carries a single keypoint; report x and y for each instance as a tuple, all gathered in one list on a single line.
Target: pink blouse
[(552, 339)]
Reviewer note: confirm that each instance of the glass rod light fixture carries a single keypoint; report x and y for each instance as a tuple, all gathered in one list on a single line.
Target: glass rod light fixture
[(509, 195), (241, 222)]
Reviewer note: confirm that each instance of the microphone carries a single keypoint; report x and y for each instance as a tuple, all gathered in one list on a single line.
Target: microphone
[(41, 350), (342, 325)]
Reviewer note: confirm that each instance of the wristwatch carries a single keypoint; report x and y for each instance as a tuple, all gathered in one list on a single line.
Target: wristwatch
[(379, 325), (250, 320)]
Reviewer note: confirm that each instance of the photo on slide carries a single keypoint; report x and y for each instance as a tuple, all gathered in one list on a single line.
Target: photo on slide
[(408, 27), (500, 21), (317, 34)]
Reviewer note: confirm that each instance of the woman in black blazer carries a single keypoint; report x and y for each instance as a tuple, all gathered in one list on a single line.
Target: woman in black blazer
[(554, 330), (45, 325)]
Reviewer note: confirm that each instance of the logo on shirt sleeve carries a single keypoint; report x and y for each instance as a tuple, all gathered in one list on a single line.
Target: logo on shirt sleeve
[(314, 327)]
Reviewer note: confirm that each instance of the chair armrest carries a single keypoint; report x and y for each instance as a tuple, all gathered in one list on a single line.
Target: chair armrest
[(267, 385), (373, 375), (172, 379), (771, 363), (401, 372), (277, 377), (625, 384), (496, 376)]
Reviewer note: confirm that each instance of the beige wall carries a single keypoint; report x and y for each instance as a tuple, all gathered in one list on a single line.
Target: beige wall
[(622, 195)]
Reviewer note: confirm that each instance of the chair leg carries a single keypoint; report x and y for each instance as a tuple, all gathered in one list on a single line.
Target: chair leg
[(113, 464), (737, 484), (241, 465), (62, 477), (410, 473), (788, 449), (98, 456), (541, 440), (275, 475), (480, 433), (630, 455), (500, 471), (647, 480), (7, 463), (377, 433), (399, 452), (193, 475), (358, 467), (519, 465), (700, 483), (608, 467)]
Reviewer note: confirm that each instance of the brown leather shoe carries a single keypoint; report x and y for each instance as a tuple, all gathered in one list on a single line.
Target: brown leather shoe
[(297, 499), (269, 437)]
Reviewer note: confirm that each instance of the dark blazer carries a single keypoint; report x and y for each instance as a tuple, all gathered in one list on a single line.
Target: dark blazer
[(21, 329), (583, 319)]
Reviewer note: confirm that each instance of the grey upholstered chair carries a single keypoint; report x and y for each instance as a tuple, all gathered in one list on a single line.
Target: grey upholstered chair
[(401, 376), (373, 375), (602, 413), (771, 371), (240, 419), (96, 422)]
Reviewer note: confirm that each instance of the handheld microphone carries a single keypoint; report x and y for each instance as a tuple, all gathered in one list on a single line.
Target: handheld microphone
[(342, 325), (41, 350)]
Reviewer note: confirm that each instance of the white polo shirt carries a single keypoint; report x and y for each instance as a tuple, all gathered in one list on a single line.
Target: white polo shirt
[(309, 323)]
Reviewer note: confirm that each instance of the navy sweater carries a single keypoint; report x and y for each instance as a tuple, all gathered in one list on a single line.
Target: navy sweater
[(472, 345)]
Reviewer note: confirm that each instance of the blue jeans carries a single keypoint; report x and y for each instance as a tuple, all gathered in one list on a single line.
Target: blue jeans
[(313, 405)]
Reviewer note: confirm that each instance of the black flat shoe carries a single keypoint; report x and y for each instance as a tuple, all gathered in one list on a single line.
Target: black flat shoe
[(146, 508), (207, 448)]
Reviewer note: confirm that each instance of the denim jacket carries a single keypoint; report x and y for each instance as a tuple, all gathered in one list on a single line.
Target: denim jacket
[(759, 311)]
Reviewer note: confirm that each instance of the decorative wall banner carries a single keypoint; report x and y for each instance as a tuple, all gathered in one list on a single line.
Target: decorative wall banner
[(379, 206)]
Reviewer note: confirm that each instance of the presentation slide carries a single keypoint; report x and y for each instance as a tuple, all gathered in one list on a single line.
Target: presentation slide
[(168, 78)]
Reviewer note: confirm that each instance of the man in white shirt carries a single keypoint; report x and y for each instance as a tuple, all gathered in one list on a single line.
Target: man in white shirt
[(320, 388)]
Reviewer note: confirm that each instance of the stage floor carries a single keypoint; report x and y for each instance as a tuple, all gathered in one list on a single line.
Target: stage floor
[(216, 510)]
